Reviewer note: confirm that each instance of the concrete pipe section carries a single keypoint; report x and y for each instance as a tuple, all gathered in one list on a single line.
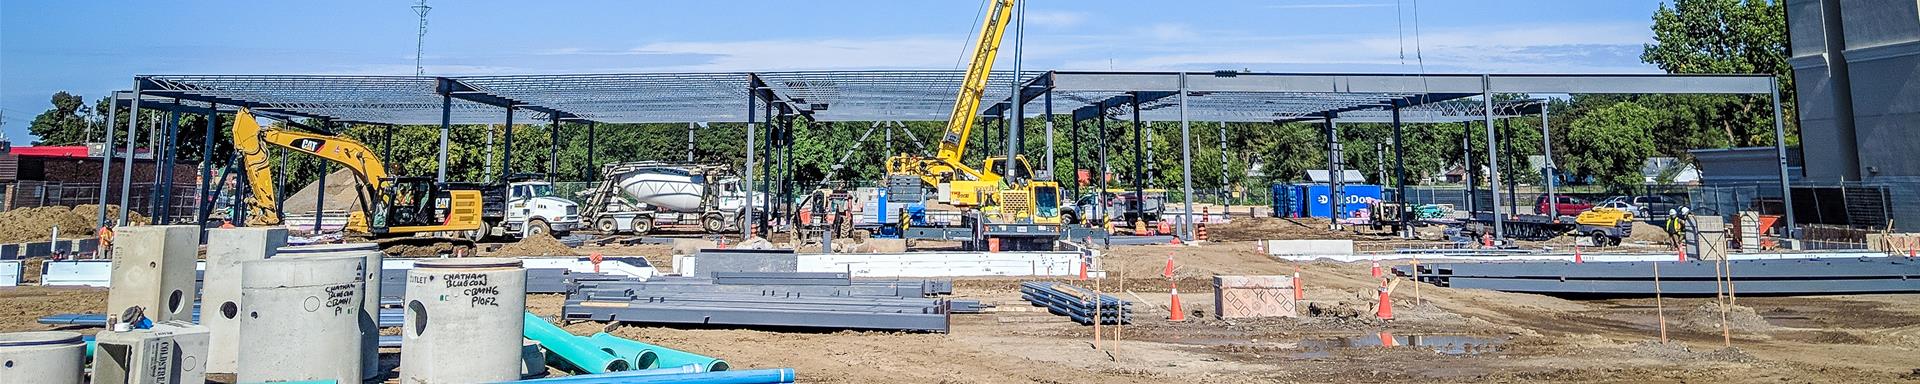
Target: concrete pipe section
[(464, 319), (153, 270), (51, 357), (300, 319), (227, 248), (369, 302)]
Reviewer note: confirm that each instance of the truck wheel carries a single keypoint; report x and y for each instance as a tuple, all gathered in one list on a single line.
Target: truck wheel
[(606, 225), (1070, 218), (1600, 238), (642, 224), (538, 227), (713, 223)]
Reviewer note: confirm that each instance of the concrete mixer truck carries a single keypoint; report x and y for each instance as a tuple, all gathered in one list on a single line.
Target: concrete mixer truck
[(637, 197)]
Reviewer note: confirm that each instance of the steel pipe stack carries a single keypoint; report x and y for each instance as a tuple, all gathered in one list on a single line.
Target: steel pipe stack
[(370, 298), (52, 357), (300, 319), (464, 320)]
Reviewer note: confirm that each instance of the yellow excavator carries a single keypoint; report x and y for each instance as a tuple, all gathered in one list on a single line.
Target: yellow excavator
[(994, 205), (389, 206)]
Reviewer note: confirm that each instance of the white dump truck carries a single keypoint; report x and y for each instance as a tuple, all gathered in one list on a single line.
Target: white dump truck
[(637, 197), (525, 206)]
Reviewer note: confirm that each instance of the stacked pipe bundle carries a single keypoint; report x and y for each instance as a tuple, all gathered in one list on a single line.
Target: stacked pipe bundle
[(770, 299), (1077, 303), (605, 353)]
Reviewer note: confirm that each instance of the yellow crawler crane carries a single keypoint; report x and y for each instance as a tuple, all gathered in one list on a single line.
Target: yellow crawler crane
[(994, 206)]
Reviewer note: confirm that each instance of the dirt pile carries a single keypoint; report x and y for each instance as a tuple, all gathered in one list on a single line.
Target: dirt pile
[(343, 194), (1705, 318), (1269, 228), (36, 224), (535, 246)]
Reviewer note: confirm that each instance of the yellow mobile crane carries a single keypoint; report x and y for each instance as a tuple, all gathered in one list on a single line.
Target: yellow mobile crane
[(993, 205), (390, 206)]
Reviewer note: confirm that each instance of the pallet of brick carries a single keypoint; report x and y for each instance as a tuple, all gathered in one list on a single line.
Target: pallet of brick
[(1245, 297)]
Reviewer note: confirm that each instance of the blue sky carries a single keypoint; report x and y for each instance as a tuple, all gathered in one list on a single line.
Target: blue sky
[(93, 47)]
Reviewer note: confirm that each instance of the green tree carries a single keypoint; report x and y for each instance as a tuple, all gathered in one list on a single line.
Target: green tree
[(1722, 36), (65, 123), (1609, 144)]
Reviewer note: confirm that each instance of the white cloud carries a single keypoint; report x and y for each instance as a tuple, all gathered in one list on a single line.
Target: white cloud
[(1055, 19), (764, 55)]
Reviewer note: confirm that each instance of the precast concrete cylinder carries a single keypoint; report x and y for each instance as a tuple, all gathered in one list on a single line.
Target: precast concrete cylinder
[(153, 269), (220, 313), (51, 357), (464, 320), (370, 301), (300, 319)]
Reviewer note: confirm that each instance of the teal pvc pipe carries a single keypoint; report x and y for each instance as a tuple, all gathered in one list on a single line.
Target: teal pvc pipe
[(755, 376), (635, 373), (663, 356), (574, 352)]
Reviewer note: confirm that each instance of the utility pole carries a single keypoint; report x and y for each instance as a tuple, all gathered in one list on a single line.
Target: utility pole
[(420, 41)]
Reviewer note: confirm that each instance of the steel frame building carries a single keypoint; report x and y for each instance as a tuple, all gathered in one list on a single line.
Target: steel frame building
[(776, 98)]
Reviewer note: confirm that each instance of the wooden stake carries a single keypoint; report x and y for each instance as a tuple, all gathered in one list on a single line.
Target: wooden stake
[(1659, 303), (1416, 280), (1726, 306), (1096, 312)]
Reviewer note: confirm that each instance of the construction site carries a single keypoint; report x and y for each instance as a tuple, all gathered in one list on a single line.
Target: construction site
[(980, 225)]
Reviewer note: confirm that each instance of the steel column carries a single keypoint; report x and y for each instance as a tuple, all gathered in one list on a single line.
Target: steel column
[(1548, 171), (506, 147), (1506, 146), (1224, 164), (690, 127), (592, 168), (1186, 163), (1019, 115), (1780, 153), (106, 160), (1400, 176), (1493, 160), (1073, 124), (320, 199), (446, 125), (386, 142), (1139, 162), (1047, 109), (1100, 195), (1468, 168), (163, 167), (553, 148), (203, 202), (1336, 175), (747, 182)]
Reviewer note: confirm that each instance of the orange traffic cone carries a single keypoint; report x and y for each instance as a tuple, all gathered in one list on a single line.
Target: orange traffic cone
[(1576, 255), (1177, 313), (1680, 253), (226, 224), (1376, 268), (1168, 272), (595, 258), (1385, 311), (1083, 268)]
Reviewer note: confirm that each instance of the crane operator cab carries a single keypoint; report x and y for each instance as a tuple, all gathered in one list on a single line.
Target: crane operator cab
[(1022, 199)]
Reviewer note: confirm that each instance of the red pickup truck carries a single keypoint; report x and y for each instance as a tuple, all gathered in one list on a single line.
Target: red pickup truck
[(1567, 206)]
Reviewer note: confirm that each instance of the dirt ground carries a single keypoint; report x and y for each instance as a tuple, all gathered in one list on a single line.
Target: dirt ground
[(37, 224), (1464, 335)]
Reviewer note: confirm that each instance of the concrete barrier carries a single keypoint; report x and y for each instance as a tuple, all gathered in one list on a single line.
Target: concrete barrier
[(1309, 247)]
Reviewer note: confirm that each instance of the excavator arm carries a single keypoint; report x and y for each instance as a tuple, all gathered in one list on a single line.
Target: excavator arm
[(250, 139), (946, 165)]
